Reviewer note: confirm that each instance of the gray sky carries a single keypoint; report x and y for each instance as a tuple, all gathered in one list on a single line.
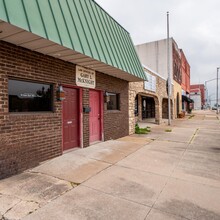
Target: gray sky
[(194, 24)]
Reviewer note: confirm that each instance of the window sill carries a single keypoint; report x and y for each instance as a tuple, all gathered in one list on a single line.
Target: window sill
[(113, 111), (30, 113)]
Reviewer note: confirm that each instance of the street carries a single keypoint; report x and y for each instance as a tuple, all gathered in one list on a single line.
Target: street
[(171, 173)]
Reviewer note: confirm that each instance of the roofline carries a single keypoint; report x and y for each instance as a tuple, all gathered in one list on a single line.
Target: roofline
[(110, 16), (171, 38), (146, 67), (181, 51), (114, 47)]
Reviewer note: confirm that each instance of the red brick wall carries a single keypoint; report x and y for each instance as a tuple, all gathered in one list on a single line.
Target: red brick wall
[(115, 122), (200, 87), (85, 118), (185, 73), (29, 138), (176, 65)]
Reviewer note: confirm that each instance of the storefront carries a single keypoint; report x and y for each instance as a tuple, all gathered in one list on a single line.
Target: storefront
[(64, 81), (148, 98), (186, 104), (148, 107)]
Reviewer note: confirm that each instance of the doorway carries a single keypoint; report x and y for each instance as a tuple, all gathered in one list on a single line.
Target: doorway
[(70, 118), (95, 116), (148, 107), (177, 105)]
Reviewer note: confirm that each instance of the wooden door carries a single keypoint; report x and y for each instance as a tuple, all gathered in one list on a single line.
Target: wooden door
[(94, 116), (71, 119)]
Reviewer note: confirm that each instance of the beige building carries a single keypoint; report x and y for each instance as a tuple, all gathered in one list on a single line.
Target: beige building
[(148, 100), (154, 55)]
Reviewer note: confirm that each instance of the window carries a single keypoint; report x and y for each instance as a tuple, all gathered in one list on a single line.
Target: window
[(113, 101), (29, 96), (136, 106), (151, 83)]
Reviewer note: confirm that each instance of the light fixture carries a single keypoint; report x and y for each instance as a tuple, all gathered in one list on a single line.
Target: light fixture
[(60, 93), (106, 97)]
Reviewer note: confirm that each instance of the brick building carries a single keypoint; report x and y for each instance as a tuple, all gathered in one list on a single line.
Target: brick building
[(64, 79), (197, 93), (185, 84), (177, 78), (185, 73)]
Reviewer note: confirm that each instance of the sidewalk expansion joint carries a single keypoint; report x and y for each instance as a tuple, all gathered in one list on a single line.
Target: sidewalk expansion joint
[(115, 196), (115, 163), (72, 184), (172, 214), (11, 208), (147, 214), (181, 142), (191, 140), (170, 176), (44, 174)]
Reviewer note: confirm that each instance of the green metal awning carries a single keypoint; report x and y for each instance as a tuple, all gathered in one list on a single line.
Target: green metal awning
[(78, 31)]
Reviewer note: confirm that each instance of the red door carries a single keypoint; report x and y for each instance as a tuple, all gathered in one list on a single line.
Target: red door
[(94, 116), (70, 119)]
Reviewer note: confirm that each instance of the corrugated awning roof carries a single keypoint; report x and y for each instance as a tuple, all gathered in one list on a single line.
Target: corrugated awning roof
[(81, 26)]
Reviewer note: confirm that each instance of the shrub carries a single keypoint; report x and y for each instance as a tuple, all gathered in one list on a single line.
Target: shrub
[(139, 130)]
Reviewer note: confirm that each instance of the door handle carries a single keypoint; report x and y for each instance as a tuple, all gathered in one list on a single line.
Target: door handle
[(69, 122)]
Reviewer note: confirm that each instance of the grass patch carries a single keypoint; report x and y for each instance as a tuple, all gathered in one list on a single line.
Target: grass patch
[(139, 130), (191, 116), (74, 184), (168, 130)]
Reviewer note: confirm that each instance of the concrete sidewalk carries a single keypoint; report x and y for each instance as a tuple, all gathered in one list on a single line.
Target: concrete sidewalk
[(161, 175)]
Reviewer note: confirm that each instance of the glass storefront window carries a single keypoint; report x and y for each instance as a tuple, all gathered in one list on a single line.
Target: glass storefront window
[(27, 96), (136, 106)]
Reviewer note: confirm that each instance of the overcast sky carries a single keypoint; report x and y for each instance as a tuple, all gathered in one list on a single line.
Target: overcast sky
[(194, 24)]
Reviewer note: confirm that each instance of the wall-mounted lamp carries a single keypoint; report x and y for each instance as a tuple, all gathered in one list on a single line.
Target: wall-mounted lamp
[(106, 97), (60, 93)]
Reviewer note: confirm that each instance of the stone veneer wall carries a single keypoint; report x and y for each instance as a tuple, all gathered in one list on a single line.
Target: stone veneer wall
[(138, 88)]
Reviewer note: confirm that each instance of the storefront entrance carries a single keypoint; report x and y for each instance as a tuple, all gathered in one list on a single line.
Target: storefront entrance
[(148, 107), (71, 119), (94, 116)]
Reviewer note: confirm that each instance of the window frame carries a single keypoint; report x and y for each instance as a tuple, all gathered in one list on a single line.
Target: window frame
[(118, 103), (36, 82), (136, 105)]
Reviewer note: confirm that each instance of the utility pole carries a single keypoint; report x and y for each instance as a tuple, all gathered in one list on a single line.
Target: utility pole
[(206, 89), (206, 95), (168, 70), (217, 92)]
